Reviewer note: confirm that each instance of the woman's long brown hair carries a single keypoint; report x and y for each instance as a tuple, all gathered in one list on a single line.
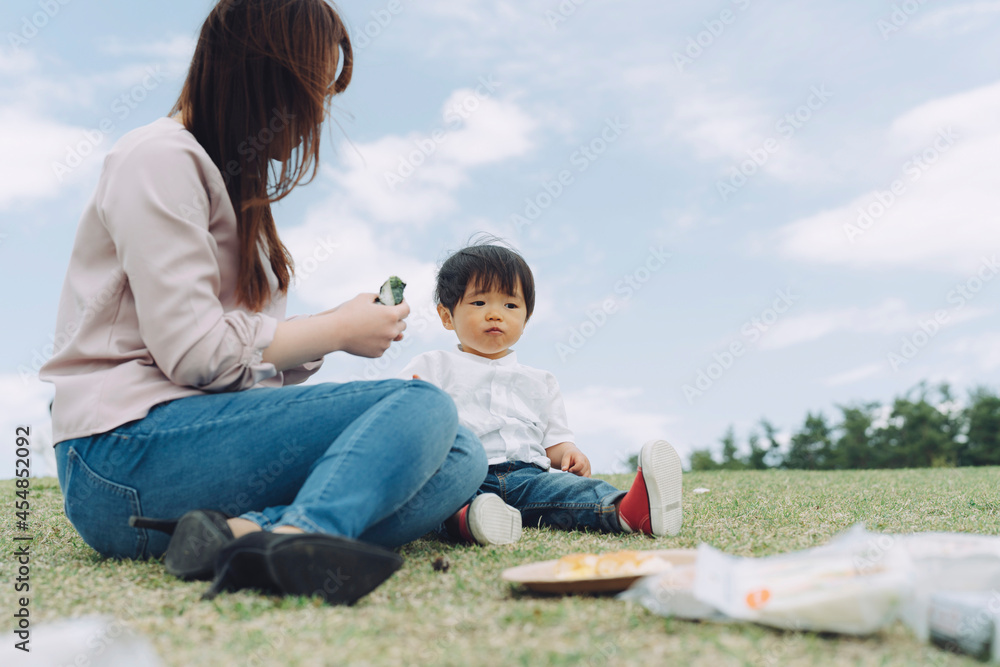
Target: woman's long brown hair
[(258, 90)]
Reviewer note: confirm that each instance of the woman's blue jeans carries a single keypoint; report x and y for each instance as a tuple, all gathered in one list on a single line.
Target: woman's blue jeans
[(384, 462)]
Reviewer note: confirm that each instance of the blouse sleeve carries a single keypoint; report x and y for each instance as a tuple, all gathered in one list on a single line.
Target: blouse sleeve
[(156, 207)]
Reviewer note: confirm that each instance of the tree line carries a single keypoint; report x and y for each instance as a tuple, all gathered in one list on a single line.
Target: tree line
[(926, 427)]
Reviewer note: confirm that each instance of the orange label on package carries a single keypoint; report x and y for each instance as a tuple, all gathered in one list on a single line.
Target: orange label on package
[(757, 599)]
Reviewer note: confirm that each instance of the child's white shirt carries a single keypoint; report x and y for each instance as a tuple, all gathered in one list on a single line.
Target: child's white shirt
[(515, 410)]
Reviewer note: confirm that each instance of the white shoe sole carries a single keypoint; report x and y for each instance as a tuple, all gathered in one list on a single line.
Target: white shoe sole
[(661, 470), (492, 521)]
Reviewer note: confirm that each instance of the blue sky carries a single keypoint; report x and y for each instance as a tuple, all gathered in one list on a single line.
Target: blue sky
[(734, 209)]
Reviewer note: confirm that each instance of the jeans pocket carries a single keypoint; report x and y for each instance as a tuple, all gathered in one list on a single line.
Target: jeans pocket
[(99, 509)]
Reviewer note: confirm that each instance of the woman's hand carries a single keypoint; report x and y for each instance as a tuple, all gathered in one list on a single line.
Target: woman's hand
[(359, 326), (365, 328)]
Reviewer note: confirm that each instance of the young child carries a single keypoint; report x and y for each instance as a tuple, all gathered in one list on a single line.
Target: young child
[(486, 295)]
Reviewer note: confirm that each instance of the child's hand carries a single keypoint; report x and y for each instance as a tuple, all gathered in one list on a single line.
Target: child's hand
[(576, 462)]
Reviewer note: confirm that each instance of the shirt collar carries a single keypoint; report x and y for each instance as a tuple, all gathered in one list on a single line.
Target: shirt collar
[(508, 360)]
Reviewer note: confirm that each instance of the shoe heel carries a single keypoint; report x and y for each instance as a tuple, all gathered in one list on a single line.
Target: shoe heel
[(167, 526), (198, 538), (237, 568)]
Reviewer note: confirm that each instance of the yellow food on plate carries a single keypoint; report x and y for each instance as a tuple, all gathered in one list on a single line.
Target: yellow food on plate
[(615, 564), (576, 566)]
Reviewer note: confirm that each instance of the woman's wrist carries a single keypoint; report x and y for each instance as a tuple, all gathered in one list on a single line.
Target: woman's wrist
[(333, 327), (303, 340)]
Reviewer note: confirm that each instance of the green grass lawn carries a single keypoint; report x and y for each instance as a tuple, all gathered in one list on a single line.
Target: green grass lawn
[(468, 616)]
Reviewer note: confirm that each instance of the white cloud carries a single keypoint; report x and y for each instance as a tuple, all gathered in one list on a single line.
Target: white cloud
[(717, 125), (35, 145), (477, 16), (638, 79), (943, 214), (573, 81), (855, 375), (337, 257), (17, 61), (358, 237), (56, 88), (172, 55), (473, 32), (44, 154), (413, 179), (177, 47), (958, 19), (717, 122), (26, 403), (736, 131), (494, 130), (608, 426), (983, 349), (34, 142), (889, 317)]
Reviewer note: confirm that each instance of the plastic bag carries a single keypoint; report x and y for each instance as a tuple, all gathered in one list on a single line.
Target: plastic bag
[(945, 563), (671, 594), (833, 588), (97, 641), (857, 583), (967, 623)]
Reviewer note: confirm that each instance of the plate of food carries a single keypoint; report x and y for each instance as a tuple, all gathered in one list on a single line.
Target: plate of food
[(596, 573)]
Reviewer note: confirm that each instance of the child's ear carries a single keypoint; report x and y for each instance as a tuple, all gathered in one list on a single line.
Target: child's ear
[(446, 318)]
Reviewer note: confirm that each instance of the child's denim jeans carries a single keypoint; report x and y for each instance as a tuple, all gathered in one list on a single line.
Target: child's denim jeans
[(383, 462), (557, 499)]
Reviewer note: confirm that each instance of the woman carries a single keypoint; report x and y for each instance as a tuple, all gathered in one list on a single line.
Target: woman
[(174, 307)]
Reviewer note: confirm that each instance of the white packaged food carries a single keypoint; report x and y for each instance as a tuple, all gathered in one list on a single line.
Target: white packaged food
[(832, 588)]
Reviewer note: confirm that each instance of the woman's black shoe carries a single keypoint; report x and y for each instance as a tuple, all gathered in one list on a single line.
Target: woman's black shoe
[(198, 536), (338, 569)]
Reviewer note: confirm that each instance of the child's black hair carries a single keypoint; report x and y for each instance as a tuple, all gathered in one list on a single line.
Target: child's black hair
[(487, 267)]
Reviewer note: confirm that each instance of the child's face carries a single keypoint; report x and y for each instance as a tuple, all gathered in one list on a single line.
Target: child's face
[(487, 323)]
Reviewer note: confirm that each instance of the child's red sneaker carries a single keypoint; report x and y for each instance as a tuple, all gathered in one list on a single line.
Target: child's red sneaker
[(653, 504), (487, 520)]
